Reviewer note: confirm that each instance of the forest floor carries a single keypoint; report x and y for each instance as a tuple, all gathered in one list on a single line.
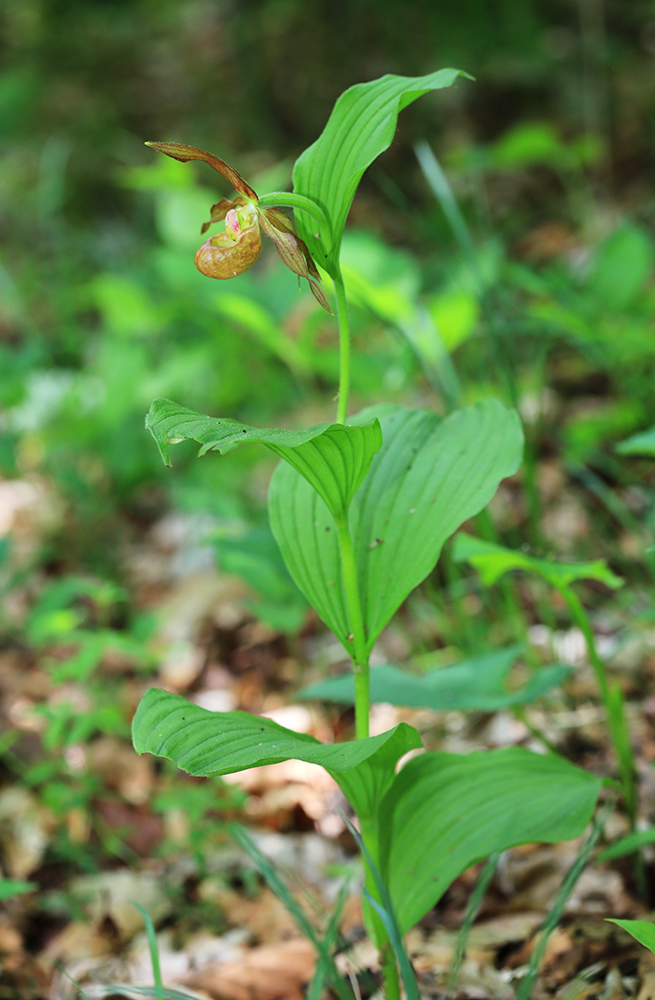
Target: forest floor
[(96, 828)]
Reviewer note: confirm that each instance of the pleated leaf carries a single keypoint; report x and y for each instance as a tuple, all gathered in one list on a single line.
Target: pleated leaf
[(477, 685), (493, 561), (332, 458), (206, 743), (362, 125), (444, 812), (305, 531), (429, 476), (365, 785)]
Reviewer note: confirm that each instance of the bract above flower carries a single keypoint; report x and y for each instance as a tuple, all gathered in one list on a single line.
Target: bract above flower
[(234, 250)]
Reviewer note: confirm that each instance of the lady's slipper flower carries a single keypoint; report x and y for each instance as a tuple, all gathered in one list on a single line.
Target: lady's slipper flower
[(233, 251)]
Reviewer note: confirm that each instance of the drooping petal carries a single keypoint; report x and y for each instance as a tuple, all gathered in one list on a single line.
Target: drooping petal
[(222, 257), (319, 295), (186, 153), (293, 252)]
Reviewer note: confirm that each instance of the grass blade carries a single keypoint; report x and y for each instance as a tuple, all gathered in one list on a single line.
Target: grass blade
[(154, 949), (471, 912), (555, 914), (384, 910), (326, 966)]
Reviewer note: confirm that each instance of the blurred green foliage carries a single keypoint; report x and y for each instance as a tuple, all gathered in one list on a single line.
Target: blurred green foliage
[(99, 308), (529, 275)]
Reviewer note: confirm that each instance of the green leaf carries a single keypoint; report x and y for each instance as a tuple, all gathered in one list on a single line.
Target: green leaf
[(333, 458), (306, 533), (263, 326), (366, 784), (639, 444), (362, 125), (206, 743), (429, 476), (444, 812), (620, 733), (256, 558), (477, 685), (628, 844), (641, 930), (492, 561), (153, 949), (623, 266), (10, 887)]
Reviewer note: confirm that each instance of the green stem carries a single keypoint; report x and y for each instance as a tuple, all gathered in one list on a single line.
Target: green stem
[(376, 929), (344, 347), (390, 973), (616, 720), (291, 199), (581, 619), (359, 652), (521, 714)]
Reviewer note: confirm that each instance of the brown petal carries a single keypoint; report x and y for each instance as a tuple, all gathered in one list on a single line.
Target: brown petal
[(283, 224), (293, 252), (186, 153), (319, 295), (221, 257), (280, 220)]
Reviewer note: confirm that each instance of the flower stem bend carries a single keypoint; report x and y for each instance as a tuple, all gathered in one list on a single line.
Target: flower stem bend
[(291, 199)]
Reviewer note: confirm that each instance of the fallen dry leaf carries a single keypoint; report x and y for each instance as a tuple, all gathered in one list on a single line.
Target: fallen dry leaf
[(11, 942), (111, 895), (25, 830), (265, 916), (271, 972)]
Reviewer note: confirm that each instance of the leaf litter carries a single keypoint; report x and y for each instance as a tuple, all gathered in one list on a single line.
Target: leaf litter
[(221, 932)]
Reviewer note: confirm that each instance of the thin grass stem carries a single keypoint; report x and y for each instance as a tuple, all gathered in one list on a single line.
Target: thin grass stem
[(472, 908), (565, 891), (613, 702)]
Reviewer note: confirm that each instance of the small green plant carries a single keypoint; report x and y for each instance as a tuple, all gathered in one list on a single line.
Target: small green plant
[(76, 627), (493, 561), (10, 887), (360, 510)]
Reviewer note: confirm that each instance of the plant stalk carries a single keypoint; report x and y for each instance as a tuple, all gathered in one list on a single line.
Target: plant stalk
[(360, 655), (390, 973), (300, 202), (344, 348), (357, 638), (376, 929)]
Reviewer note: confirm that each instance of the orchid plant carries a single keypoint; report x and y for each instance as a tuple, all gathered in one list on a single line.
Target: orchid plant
[(360, 509), (237, 248)]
